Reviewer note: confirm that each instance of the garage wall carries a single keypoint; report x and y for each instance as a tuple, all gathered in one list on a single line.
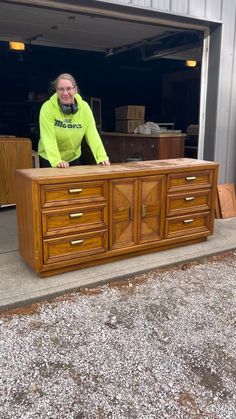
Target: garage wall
[(220, 138), (204, 9), (225, 149)]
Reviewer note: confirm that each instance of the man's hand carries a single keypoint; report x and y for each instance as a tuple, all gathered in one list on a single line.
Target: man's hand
[(63, 164)]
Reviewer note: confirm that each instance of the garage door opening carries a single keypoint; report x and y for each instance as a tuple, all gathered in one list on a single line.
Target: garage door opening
[(168, 89), (117, 62)]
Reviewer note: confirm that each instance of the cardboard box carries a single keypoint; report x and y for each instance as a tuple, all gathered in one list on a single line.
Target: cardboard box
[(130, 112), (128, 125)]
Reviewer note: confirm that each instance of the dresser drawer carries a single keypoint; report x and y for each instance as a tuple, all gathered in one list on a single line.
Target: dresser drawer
[(182, 203), (73, 219), (75, 246), (189, 180), (187, 225), (73, 193)]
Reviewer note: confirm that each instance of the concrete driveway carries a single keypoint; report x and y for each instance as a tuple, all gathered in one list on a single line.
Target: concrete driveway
[(20, 285)]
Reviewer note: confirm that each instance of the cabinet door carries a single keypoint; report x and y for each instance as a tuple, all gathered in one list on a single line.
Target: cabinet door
[(123, 213), (152, 210)]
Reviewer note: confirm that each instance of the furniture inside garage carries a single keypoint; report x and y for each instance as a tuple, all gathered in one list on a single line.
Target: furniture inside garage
[(123, 147), (120, 80)]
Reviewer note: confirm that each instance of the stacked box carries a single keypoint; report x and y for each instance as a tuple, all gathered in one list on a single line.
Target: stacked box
[(130, 112), (128, 125), (129, 117)]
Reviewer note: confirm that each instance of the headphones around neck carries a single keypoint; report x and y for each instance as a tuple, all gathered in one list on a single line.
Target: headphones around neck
[(69, 109)]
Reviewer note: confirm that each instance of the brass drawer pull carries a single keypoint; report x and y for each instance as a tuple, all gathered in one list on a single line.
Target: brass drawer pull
[(144, 211), (76, 215), (190, 178), (131, 213), (73, 242), (75, 190), (188, 221), (189, 198)]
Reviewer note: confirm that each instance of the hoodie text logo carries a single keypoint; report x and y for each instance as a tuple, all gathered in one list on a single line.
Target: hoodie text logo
[(62, 124)]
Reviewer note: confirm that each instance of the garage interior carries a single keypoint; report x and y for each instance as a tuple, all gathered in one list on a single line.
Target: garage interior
[(117, 61)]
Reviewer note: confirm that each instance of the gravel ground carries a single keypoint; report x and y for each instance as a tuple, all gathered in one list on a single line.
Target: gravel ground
[(158, 345)]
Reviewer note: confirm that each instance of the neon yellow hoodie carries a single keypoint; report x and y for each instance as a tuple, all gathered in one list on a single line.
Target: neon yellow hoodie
[(61, 135)]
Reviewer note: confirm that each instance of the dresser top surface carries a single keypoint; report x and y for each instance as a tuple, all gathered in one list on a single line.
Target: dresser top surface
[(12, 139), (131, 168)]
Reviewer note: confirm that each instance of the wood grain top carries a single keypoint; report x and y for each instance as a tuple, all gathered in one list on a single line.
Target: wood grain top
[(166, 133), (11, 139), (124, 169)]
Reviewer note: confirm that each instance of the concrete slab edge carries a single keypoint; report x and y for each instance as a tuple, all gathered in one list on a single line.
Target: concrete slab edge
[(51, 293)]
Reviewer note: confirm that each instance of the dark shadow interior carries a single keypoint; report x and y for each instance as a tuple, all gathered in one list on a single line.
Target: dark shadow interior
[(169, 90)]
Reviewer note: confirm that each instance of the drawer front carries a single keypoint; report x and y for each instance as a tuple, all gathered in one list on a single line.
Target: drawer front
[(189, 180), (75, 246), (182, 203), (187, 225), (70, 220), (73, 193)]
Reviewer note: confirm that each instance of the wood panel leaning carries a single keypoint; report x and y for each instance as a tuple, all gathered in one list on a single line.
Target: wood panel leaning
[(15, 153), (87, 215)]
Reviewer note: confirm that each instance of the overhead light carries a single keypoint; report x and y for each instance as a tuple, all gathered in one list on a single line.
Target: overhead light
[(18, 46), (190, 63)]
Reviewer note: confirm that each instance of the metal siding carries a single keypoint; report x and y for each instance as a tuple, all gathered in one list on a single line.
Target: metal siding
[(214, 9), (161, 5), (225, 132), (231, 148), (197, 8), (144, 3), (208, 9), (180, 6), (119, 2), (141, 3)]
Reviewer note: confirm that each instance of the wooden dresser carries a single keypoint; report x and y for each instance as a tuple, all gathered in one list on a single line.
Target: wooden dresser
[(86, 215), (15, 153)]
